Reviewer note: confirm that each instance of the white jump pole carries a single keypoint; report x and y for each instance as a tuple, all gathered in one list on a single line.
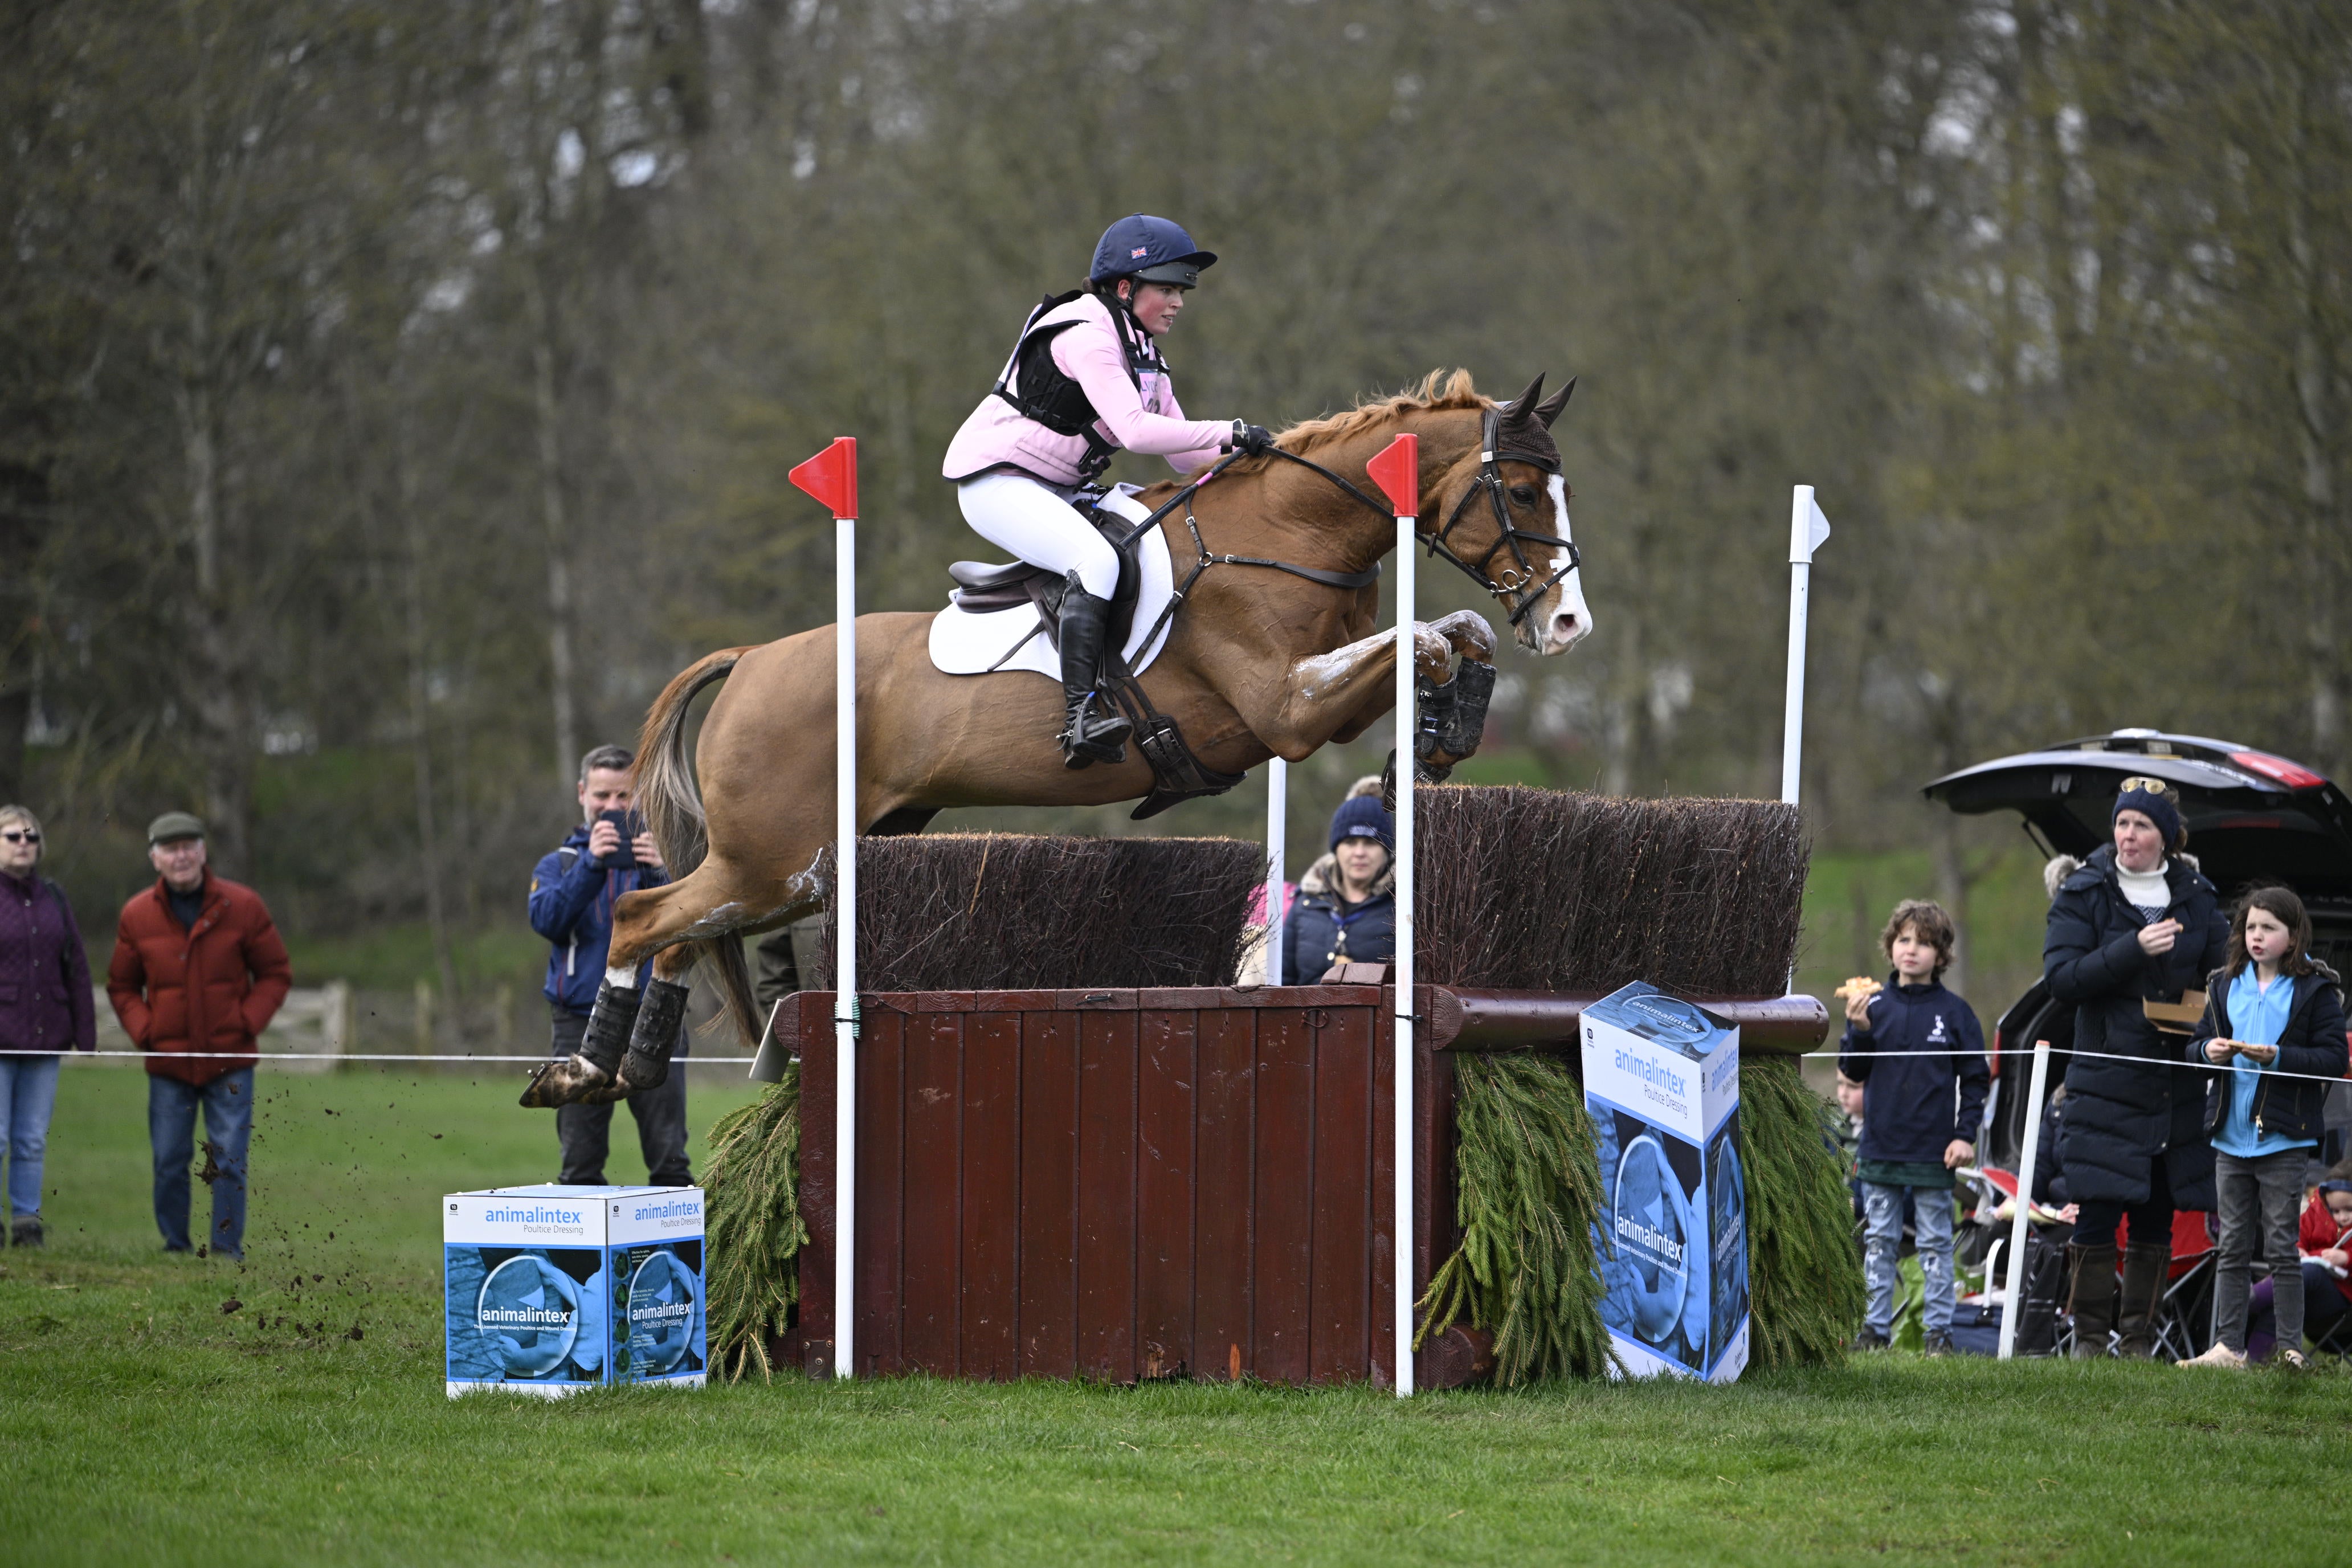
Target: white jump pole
[(1397, 469), (1807, 529), (832, 478), (2010, 1312), (1277, 848)]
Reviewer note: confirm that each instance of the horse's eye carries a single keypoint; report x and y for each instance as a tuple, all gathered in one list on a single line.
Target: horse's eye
[(1524, 495)]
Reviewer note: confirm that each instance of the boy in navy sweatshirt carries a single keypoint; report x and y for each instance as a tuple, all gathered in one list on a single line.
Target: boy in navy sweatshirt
[(1916, 1050)]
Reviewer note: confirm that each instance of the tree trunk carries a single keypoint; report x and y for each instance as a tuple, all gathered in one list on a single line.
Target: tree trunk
[(2321, 533), (419, 647), (548, 415)]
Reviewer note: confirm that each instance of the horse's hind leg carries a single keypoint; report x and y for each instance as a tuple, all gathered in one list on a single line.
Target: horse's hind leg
[(631, 1033)]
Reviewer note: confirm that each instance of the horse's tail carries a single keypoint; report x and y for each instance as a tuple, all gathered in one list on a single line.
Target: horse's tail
[(667, 794)]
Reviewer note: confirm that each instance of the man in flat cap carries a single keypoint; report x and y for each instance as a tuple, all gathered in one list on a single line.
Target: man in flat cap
[(198, 972)]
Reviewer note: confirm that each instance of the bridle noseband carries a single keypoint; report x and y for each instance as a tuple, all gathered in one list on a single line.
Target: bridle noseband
[(1519, 573)]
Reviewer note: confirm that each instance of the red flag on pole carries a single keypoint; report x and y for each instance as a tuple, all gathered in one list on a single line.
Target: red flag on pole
[(832, 475), (1397, 470)]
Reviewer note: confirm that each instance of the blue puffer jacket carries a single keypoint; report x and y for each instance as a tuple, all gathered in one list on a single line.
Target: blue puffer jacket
[(572, 897), (2121, 1114), (1932, 1090), (1316, 933)]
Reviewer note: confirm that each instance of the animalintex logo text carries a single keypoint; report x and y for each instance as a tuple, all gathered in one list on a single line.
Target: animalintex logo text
[(537, 1214), (1655, 1074), (673, 1208)]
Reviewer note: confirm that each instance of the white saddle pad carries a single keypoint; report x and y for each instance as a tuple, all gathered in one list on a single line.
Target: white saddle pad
[(967, 643)]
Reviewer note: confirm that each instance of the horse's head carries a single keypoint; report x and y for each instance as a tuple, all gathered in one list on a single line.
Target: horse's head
[(1501, 515)]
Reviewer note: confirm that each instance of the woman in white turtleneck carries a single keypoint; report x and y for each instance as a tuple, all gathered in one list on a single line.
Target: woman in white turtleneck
[(2137, 922)]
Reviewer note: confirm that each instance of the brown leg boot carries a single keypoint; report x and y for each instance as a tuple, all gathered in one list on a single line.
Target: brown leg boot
[(2145, 1268), (2091, 1297)]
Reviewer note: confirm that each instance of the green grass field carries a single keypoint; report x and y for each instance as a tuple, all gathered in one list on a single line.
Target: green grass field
[(190, 1412)]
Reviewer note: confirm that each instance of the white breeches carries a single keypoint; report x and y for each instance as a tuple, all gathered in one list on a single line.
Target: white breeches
[(1027, 517)]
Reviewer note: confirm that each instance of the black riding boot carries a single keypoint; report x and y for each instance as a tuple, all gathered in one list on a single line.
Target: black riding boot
[(1094, 735)]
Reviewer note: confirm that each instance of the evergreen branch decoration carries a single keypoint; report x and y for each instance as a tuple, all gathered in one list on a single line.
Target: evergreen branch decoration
[(751, 1182), (1528, 1186), (1804, 1282)]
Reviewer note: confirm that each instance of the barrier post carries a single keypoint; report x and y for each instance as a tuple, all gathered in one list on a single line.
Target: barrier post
[(1277, 847), (1397, 470), (1807, 530), (2013, 1309), (832, 478)]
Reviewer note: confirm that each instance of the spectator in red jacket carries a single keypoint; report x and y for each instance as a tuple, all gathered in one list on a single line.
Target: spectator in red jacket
[(2325, 1242), (198, 971)]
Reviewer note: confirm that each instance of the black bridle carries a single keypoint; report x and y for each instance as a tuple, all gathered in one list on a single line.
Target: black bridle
[(1519, 573), (1491, 453)]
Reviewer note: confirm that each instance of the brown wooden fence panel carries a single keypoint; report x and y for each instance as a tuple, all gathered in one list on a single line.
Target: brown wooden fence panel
[(1166, 1111), (1106, 1129), (1118, 1184), (1048, 1227), (1225, 1132), (992, 1195)]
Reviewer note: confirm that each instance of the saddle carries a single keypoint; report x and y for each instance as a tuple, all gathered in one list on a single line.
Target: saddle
[(984, 588)]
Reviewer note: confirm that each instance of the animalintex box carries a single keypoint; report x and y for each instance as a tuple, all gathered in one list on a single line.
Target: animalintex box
[(553, 1289), (1662, 1086)]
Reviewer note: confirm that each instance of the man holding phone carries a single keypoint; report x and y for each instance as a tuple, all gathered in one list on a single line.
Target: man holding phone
[(572, 897)]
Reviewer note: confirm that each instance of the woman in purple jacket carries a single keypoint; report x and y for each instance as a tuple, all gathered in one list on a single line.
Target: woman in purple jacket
[(1084, 381), (45, 1006)]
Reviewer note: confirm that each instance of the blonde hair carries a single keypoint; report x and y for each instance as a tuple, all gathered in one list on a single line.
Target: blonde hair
[(23, 814)]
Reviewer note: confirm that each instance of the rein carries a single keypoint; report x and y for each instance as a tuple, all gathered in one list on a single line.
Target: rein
[(1517, 584)]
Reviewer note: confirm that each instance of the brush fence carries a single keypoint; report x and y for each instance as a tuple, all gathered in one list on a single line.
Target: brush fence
[(1123, 1185)]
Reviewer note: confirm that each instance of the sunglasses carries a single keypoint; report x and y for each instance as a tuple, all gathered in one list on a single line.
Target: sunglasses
[(25, 835), (2156, 787)]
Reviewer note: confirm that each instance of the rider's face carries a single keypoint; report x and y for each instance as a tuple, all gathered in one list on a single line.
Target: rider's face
[(1157, 305)]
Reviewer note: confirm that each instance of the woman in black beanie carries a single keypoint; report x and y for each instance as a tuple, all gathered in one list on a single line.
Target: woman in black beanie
[(2136, 922), (1345, 911)]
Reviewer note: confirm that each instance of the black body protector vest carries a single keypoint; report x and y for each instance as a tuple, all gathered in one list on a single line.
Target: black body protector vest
[(1039, 389)]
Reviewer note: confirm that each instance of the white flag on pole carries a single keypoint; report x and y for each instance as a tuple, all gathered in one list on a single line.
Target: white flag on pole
[(1809, 529)]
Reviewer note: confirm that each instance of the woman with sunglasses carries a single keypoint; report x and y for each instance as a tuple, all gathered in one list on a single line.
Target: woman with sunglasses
[(2136, 922), (45, 1006)]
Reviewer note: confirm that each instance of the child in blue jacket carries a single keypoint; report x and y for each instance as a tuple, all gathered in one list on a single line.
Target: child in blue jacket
[(1916, 1050)]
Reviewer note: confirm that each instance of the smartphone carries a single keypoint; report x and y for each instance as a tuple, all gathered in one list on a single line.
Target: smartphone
[(628, 823)]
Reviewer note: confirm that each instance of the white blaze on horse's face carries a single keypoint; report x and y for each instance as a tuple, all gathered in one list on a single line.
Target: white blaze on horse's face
[(1567, 621)]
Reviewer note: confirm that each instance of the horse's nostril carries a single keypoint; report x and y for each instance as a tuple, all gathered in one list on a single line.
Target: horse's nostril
[(1564, 628)]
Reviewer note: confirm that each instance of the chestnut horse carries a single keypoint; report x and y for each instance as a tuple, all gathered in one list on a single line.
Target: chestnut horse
[(1259, 663)]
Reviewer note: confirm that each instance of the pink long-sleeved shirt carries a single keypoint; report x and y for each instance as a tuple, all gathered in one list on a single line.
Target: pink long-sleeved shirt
[(1145, 418)]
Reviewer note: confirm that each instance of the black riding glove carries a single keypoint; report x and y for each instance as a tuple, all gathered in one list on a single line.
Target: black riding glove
[(1250, 439)]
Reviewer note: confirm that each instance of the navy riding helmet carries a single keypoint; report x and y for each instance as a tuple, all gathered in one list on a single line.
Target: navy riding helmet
[(1150, 248)]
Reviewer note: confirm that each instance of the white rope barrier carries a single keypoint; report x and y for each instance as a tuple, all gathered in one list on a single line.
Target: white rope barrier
[(341, 1056), (2116, 1057)]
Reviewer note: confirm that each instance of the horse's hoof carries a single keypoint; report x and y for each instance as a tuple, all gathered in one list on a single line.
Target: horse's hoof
[(639, 1074), (568, 1082)]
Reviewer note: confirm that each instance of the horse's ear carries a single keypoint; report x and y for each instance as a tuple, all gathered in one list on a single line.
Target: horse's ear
[(1549, 410), (1517, 407)]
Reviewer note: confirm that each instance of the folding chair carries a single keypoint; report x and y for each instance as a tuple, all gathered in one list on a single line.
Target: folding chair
[(2184, 1317)]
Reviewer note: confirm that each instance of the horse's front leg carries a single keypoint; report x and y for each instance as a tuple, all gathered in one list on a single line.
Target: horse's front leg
[(1338, 695)]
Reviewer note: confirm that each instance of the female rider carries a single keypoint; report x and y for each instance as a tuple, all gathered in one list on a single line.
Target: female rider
[(2137, 922), (1084, 381)]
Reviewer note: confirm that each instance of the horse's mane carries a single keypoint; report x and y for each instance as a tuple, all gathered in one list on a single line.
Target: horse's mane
[(1437, 392)]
